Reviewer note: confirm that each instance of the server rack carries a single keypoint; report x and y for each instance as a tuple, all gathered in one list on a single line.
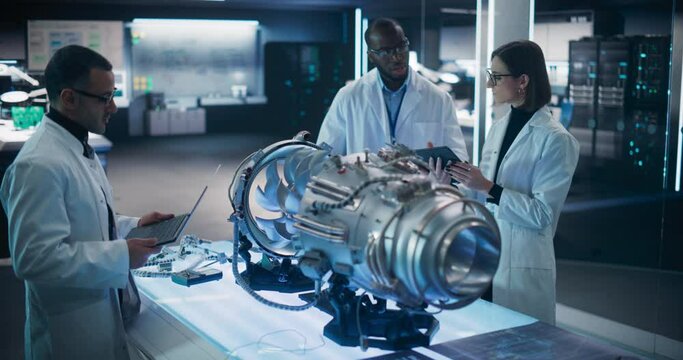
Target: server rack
[(301, 81), (646, 107), (618, 87)]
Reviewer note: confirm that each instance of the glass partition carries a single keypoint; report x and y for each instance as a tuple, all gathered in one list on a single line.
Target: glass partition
[(615, 73), (611, 74)]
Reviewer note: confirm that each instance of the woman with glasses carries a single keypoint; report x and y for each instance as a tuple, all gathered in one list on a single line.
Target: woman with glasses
[(526, 168)]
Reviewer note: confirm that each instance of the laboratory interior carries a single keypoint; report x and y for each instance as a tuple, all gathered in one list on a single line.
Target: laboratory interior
[(285, 246)]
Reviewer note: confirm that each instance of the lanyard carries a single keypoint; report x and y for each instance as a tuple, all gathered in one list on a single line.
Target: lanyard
[(393, 121)]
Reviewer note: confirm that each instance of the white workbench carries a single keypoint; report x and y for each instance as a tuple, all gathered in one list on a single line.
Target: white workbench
[(218, 319)]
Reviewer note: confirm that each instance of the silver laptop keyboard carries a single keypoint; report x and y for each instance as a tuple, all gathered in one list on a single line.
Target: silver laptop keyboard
[(163, 230)]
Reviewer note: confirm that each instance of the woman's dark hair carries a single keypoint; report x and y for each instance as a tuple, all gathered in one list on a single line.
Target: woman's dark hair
[(70, 67), (526, 57)]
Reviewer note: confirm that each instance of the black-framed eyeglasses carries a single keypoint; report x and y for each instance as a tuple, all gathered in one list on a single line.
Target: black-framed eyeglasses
[(495, 78), (385, 53), (104, 99)]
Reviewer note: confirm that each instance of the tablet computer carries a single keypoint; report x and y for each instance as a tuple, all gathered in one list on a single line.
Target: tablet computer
[(443, 152)]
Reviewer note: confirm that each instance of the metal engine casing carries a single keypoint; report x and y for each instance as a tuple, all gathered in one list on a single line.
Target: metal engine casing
[(377, 219)]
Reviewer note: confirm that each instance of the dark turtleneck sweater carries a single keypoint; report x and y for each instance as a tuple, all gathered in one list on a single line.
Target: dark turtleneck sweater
[(518, 118), (78, 131)]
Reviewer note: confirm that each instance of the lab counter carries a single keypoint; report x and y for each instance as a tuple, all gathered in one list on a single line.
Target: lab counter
[(219, 320), (12, 140)]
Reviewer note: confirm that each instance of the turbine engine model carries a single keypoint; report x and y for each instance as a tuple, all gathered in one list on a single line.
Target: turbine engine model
[(376, 222)]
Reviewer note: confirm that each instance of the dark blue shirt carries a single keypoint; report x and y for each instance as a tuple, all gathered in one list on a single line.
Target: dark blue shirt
[(392, 101)]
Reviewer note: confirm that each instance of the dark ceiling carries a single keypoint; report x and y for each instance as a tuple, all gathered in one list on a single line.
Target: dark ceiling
[(448, 12), (369, 5)]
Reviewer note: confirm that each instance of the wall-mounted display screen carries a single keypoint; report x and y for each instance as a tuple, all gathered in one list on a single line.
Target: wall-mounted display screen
[(196, 58), (45, 37)]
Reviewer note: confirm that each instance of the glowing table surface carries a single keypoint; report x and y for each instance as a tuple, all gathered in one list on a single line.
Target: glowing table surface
[(219, 320)]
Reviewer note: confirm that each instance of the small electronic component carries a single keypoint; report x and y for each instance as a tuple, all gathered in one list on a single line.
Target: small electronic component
[(190, 246), (197, 276), (166, 266)]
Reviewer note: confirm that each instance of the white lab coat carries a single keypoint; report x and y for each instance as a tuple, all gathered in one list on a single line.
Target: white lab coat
[(59, 241), (358, 118), (535, 174)]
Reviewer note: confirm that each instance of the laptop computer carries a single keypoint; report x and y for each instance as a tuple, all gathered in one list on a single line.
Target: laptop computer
[(166, 231)]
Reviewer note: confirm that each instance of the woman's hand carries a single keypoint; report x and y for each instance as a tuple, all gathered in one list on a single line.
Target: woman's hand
[(469, 176), (438, 173)]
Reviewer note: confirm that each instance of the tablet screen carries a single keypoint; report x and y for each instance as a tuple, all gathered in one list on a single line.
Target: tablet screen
[(443, 152)]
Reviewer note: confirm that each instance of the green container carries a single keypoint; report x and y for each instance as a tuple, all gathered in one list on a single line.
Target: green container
[(19, 117), (35, 114), (26, 117)]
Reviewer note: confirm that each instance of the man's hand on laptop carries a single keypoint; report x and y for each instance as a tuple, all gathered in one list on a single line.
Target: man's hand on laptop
[(153, 217), (139, 250)]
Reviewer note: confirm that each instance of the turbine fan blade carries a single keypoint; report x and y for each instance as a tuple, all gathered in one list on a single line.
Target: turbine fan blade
[(301, 175), (281, 228), (292, 162), (264, 201), (302, 180), (304, 164), (288, 199), (269, 227), (290, 226), (313, 165), (272, 180), (292, 202), (280, 244), (318, 160), (282, 194), (266, 225)]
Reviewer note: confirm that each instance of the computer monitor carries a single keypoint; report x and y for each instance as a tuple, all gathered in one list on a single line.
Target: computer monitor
[(5, 86), (5, 83)]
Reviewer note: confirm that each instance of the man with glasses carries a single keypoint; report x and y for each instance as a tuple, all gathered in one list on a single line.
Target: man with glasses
[(391, 103), (66, 240)]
